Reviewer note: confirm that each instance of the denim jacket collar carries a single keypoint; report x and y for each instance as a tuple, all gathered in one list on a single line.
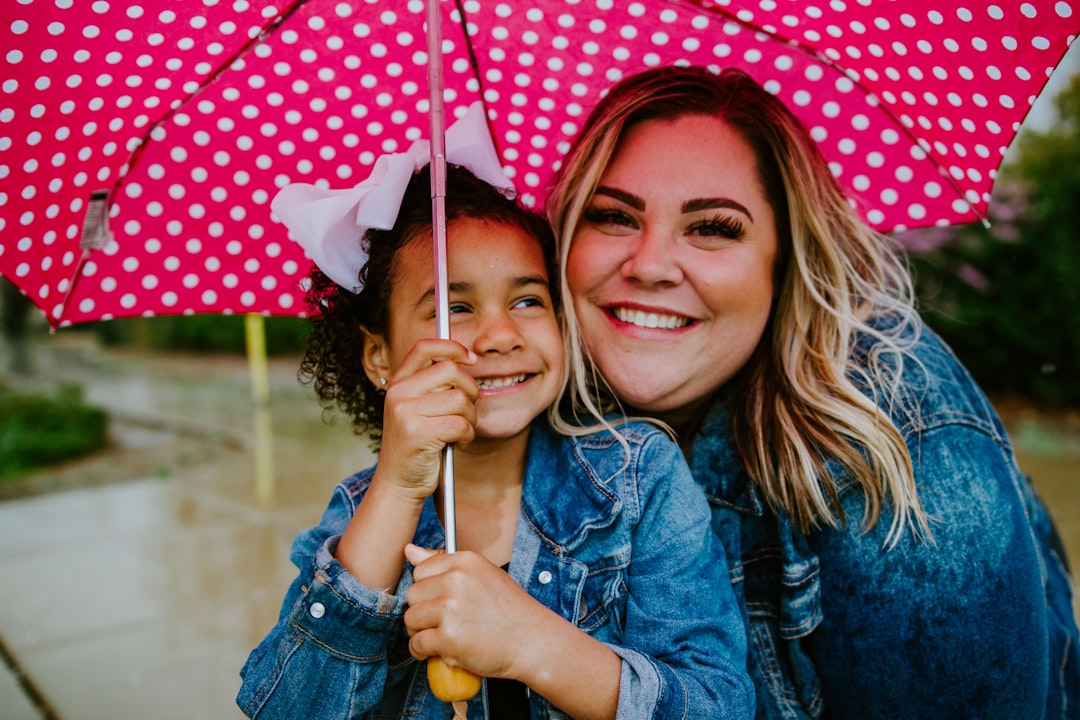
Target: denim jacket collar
[(543, 496), (715, 462)]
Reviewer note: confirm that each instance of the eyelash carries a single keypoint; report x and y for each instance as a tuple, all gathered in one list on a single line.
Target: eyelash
[(719, 225), (606, 216), (533, 301)]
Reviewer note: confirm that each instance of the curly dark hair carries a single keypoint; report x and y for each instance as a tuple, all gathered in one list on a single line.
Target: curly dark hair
[(333, 360)]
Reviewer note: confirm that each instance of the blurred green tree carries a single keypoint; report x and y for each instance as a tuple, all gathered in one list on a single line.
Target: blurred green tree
[(1006, 297), (201, 333)]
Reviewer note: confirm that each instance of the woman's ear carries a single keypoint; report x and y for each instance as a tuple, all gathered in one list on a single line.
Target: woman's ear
[(376, 358)]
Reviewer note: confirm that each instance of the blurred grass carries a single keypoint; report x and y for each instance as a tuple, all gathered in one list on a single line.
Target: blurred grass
[(37, 430)]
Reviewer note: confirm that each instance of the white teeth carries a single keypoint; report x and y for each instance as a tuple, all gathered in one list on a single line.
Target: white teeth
[(650, 320), (495, 383)]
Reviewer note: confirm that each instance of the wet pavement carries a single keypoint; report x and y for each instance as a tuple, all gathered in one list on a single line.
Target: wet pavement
[(134, 584), (128, 595)]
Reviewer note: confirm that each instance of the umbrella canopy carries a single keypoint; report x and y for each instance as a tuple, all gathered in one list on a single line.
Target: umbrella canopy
[(140, 146)]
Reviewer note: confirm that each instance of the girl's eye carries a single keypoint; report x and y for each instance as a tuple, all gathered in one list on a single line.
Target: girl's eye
[(456, 308), (608, 216), (722, 226), (530, 302)]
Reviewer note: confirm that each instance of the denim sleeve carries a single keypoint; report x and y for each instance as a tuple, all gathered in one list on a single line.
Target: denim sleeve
[(688, 654), (327, 655), (956, 627)]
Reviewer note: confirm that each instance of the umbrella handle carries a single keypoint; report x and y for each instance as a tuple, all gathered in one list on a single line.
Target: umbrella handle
[(450, 683)]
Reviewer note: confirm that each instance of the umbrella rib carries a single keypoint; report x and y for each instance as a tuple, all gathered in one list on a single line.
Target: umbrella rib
[(708, 7), (265, 31), (474, 63)]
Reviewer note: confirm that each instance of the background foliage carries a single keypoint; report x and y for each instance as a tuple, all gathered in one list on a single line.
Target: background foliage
[(201, 333), (37, 429), (1006, 298)]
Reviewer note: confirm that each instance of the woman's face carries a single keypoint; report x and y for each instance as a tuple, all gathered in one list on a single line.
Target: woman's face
[(671, 266)]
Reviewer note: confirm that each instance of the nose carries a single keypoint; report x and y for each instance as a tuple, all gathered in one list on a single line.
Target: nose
[(497, 333), (653, 260)]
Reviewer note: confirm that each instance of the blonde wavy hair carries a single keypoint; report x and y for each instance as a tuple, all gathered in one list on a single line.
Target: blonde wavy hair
[(802, 408)]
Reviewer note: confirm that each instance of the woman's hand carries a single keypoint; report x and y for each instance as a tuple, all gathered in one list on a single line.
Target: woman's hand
[(430, 403)]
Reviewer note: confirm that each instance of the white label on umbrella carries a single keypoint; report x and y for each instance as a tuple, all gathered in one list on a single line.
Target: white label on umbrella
[(95, 230)]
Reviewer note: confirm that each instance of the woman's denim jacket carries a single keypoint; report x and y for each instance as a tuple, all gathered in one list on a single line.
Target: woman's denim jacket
[(618, 544), (976, 624)]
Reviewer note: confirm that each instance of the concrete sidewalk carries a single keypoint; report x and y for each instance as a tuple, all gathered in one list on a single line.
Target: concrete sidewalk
[(141, 596)]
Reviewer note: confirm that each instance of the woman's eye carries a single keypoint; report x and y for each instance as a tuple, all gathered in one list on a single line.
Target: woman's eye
[(720, 226), (608, 216)]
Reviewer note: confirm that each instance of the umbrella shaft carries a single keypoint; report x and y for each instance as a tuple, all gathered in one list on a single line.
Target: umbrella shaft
[(438, 235)]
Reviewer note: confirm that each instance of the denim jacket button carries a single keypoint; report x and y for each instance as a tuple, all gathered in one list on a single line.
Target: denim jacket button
[(544, 577), (317, 610)]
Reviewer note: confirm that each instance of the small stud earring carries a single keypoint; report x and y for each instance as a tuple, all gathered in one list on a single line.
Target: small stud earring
[(382, 381)]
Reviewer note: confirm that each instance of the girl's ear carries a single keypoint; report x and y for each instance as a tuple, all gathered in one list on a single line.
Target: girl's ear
[(376, 358)]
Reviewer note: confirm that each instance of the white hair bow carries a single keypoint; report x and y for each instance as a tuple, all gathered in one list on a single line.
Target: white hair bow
[(329, 224)]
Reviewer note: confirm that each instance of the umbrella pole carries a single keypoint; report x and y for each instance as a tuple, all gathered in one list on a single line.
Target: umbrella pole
[(438, 235), (449, 684)]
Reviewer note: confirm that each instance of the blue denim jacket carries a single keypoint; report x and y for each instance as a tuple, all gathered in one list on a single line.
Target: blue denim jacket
[(622, 549), (978, 624)]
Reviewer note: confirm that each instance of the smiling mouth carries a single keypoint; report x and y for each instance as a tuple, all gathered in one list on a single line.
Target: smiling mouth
[(503, 382), (639, 318)]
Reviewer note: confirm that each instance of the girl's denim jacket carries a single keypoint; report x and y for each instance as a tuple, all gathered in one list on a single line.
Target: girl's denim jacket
[(977, 623), (620, 544)]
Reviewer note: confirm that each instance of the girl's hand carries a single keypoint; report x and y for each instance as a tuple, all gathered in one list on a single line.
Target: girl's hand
[(468, 612), (430, 403)]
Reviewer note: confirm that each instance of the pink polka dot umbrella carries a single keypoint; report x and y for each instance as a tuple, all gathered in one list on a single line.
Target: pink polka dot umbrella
[(141, 142)]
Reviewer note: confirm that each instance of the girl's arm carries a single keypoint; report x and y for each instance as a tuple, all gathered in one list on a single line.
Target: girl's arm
[(340, 615), (428, 405), (331, 636), (684, 645)]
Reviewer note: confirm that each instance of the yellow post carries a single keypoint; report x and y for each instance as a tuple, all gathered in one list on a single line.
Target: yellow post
[(255, 332)]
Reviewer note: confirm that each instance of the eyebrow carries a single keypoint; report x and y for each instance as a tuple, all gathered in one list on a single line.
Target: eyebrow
[(622, 196), (711, 203), (688, 207)]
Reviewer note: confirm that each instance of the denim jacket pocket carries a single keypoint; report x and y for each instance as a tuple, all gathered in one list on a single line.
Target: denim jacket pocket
[(602, 595)]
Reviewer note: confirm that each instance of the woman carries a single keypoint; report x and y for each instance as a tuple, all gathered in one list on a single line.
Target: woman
[(890, 558)]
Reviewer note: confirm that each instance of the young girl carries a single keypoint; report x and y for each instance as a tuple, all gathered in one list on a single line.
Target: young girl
[(588, 582)]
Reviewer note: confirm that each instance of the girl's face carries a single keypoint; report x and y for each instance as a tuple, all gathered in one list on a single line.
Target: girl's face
[(500, 308), (671, 266)]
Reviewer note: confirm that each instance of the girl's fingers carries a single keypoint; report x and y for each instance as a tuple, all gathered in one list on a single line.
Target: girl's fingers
[(431, 379), (432, 351), (467, 611), (402, 407)]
